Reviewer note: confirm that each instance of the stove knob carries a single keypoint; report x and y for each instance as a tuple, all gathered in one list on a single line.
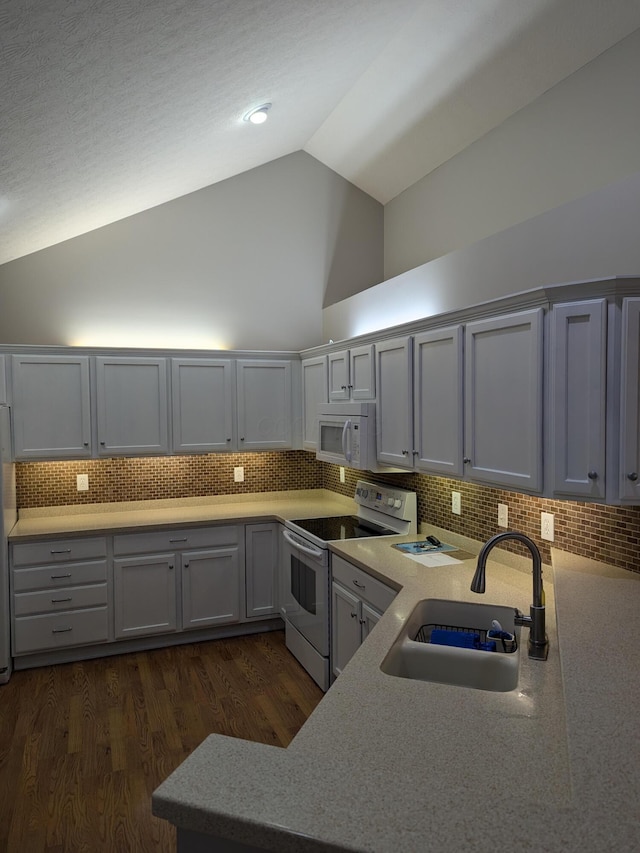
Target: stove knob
[(397, 503), (390, 501)]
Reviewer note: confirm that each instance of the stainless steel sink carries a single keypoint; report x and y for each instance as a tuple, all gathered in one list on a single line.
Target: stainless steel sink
[(464, 667)]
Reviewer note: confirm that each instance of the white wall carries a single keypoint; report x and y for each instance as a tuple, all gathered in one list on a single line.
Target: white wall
[(581, 135), (244, 264), (594, 237)]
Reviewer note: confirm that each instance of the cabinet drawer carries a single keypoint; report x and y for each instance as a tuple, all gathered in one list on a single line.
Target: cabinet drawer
[(58, 550), (57, 630), (54, 601), (53, 577), (175, 540), (361, 584)]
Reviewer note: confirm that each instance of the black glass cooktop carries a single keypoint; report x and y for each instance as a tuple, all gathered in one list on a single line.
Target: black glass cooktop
[(341, 527)]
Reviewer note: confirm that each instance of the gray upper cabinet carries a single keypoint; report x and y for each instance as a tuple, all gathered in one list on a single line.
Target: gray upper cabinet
[(352, 374), (315, 392), (203, 405), (578, 398), (132, 406), (629, 489), (265, 407), (394, 425), (438, 431), (51, 407), (503, 400)]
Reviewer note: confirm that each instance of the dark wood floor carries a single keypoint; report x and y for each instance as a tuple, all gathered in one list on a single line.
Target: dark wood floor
[(83, 745)]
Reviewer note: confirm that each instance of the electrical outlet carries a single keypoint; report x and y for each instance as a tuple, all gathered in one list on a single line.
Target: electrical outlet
[(82, 482), (503, 515), (238, 474), (546, 526), (456, 503), (342, 477)]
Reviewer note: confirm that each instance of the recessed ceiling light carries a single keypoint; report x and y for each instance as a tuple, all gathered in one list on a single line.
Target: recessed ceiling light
[(258, 115)]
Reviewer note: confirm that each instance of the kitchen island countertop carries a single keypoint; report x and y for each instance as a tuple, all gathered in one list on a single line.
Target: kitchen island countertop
[(391, 764)]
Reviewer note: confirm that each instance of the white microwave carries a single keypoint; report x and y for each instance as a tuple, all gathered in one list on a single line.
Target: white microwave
[(347, 435)]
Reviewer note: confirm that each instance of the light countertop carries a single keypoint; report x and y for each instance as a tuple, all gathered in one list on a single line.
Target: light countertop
[(390, 764)]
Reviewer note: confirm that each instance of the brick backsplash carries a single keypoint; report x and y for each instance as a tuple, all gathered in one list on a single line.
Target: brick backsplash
[(610, 534), (607, 533)]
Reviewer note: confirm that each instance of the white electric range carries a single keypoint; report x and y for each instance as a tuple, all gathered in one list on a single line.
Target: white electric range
[(305, 571)]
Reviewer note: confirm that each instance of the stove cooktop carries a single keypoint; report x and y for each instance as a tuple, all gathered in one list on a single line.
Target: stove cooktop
[(341, 527)]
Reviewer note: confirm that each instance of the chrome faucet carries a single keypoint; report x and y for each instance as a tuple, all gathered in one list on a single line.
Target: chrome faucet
[(538, 642)]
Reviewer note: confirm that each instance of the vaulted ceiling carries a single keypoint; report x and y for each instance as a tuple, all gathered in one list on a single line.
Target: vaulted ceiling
[(109, 107)]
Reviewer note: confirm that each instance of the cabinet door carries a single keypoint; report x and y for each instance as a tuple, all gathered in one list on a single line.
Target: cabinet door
[(394, 425), (630, 402), (578, 398), (202, 405), (346, 632), (261, 569), (144, 595), (362, 373), (438, 429), (132, 403), (265, 412), (503, 400), (210, 587), (369, 617), (51, 407), (338, 375), (315, 390)]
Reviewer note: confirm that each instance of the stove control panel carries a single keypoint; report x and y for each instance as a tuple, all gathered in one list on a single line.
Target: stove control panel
[(389, 500)]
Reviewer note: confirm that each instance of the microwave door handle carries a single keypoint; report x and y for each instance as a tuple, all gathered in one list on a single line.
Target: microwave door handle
[(346, 430), (308, 548)]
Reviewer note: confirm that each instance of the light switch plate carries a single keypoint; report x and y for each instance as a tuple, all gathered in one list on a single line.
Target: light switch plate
[(82, 482), (503, 515), (456, 503), (238, 474)]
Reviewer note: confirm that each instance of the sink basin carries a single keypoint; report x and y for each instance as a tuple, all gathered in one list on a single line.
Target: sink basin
[(462, 667)]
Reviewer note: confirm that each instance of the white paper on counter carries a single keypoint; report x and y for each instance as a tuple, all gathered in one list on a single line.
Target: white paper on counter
[(433, 559)]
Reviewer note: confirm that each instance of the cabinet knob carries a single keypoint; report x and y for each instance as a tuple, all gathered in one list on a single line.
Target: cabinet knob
[(592, 475), (186, 565), (632, 476), (228, 439), (405, 452), (354, 615), (170, 566), (242, 439), (86, 443), (350, 387), (466, 460), (415, 452), (103, 443), (343, 387)]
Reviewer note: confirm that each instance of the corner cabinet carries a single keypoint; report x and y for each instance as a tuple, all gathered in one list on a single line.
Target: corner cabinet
[(315, 392), (265, 404), (629, 466), (503, 400), (51, 407), (132, 406)]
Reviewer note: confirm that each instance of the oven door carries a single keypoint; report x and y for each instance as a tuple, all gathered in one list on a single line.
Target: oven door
[(304, 589)]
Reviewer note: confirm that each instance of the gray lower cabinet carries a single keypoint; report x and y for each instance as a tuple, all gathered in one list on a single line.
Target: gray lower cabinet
[(59, 594), (182, 579), (261, 569), (51, 407), (578, 365), (629, 470), (358, 600)]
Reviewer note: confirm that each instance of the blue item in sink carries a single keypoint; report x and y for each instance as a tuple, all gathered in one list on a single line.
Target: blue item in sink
[(461, 639)]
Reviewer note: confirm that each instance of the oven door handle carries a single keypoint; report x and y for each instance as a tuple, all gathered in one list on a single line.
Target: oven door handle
[(307, 547), (346, 431)]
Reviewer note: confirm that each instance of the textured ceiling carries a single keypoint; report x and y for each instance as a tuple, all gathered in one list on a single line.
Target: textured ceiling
[(109, 107)]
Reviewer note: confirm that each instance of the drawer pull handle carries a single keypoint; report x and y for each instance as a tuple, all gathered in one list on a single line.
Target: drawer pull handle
[(61, 630), (62, 551), (59, 577), (359, 585), (182, 539), (60, 600)]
